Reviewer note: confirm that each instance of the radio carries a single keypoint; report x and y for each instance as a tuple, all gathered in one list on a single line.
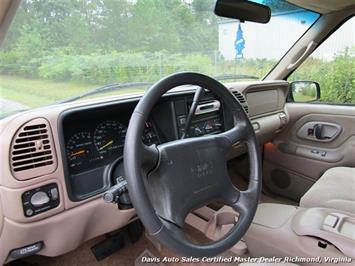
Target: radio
[(206, 120)]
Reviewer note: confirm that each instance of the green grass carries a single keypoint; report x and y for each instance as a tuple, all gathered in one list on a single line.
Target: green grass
[(299, 97), (35, 92)]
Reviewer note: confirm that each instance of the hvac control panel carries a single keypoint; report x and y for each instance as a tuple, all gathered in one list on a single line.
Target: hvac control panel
[(204, 126), (41, 199), (207, 119)]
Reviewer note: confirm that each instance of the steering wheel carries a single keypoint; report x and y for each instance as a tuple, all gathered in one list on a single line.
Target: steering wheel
[(168, 181)]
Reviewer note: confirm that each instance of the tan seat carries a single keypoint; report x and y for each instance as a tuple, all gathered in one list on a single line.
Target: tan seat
[(335, 189)]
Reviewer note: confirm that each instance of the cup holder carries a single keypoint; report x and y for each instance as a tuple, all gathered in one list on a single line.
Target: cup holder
[(221, 223)]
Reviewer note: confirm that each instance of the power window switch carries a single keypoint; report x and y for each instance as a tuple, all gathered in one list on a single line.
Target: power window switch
[(54, 193), (331, 220), (310, 131)]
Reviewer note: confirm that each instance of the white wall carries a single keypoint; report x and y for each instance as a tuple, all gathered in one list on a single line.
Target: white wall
[(272, 40), (337, 42)]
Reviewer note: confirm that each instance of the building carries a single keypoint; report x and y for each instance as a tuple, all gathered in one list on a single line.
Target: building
[(272, 40)]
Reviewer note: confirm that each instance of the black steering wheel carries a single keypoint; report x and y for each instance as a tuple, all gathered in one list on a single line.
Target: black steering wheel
[(168, 181)]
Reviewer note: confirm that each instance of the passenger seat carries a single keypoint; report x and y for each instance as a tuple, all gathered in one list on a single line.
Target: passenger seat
[(335, 189)]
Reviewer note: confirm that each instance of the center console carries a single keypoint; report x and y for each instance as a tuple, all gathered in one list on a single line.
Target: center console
[(322, 235), (317, 235), (334, 227)]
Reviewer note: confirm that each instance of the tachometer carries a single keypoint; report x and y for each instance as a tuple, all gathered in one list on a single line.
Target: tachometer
[(79, 148), (109, 137)]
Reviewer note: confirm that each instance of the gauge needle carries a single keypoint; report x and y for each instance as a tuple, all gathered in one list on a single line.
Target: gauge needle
[(106, 145), (77, 153)]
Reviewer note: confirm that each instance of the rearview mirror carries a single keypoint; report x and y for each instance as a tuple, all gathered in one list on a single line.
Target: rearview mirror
[(304, 91), (243, 10)]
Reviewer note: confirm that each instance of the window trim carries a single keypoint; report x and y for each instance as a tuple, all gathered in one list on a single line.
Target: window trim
[(278, 62), (289, 94)]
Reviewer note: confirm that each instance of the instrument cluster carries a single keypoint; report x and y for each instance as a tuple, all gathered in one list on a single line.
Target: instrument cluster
[(102, 144), (93, 137)]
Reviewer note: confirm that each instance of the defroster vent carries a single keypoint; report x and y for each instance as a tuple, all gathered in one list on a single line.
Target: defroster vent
[(242, 100), (32, 150)]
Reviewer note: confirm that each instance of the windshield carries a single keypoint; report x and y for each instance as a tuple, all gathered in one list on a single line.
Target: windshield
[(57, 49)]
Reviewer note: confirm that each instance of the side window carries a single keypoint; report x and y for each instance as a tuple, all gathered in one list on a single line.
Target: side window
[(330, 69)]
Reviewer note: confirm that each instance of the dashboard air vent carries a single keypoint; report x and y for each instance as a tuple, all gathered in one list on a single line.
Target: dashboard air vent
[(242, 100), (32, 150), (239, 96)]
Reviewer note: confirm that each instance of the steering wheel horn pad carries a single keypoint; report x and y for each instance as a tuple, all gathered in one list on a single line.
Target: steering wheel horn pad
[(168, 181), (190, 167)]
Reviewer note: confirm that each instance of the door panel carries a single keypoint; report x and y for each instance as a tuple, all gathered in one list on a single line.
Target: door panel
[(317, 137)]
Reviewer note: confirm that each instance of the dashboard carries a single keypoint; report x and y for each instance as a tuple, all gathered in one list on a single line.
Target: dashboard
[(94, 136), (59, 159)]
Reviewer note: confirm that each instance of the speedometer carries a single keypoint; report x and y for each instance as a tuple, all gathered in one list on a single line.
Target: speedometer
[(109, 137)]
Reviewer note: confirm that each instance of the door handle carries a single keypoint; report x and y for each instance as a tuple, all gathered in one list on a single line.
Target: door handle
[(318, 132)]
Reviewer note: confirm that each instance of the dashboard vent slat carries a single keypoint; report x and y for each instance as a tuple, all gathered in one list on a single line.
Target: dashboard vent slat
[(243, 101), (28, 167), (31, 138), (29, 156), (32, 150), (32, 132), (27, 128), (26, 150), (30, 163), (240, 97)]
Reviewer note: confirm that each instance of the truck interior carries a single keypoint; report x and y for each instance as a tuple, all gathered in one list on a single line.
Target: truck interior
[(192, 167)]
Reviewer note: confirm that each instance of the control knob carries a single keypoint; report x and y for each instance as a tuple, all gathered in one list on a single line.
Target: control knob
[(39, 198)]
